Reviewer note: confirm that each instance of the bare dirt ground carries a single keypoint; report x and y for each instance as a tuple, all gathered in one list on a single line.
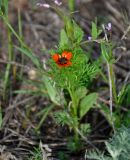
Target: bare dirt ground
[(41, 28)]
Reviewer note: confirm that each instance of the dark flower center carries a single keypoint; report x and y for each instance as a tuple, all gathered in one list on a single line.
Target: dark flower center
[(62, 60)]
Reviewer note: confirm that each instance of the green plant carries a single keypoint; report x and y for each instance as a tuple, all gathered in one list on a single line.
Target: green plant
[(73, 78), (71, 70), (117, 148), (36, 154), (117, 116), (114, 113)]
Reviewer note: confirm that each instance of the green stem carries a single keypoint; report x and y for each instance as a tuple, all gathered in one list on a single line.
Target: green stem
[(74, 106), (113, 83), (74, 113), (20, 24), (21, 37), (118, 111), (111, 93), (71, 4), (6, 78)]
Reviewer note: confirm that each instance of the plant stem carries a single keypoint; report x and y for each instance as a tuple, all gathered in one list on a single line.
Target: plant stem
[(74, 113), (111, 87), (74, 106), (113, 83), (71, 4), (21, 36), (6, 78)]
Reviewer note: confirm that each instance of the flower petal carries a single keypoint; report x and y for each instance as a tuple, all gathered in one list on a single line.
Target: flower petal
[(55, 57), (67, 64), (67, 55)]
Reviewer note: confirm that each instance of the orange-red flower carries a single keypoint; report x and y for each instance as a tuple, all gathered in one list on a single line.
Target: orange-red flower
[(63, 60)]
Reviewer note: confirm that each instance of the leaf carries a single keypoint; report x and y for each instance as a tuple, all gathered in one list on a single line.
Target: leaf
[(116, 148), (63, 118), (78, 33), (99, 32), (52, 92), (124, 95), (121, 94), (85, 128), (112, 150), (87, 103), (63, 40), (4, 7), (29, 54), (126, 119), (81, 92), (104, 52), (94, 31), (128, 96), (28, 91)]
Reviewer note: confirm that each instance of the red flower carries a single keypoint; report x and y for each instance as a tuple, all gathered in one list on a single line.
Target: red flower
[(63, 60)]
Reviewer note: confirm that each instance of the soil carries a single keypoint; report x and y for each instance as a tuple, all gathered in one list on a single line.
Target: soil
[(41, 28)]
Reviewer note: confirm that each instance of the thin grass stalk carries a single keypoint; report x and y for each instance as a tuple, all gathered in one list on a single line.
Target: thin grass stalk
[(8, 67), (109, 68), (21, 36), (112, 89)]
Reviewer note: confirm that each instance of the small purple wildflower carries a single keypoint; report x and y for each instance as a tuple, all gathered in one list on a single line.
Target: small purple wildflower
[(43, 5), (109, 26), (89, 38), (58, 2)]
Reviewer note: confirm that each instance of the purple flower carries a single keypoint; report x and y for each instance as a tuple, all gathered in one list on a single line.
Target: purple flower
[(89, 38), (109, 26), (58, 2), (43, 5)]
